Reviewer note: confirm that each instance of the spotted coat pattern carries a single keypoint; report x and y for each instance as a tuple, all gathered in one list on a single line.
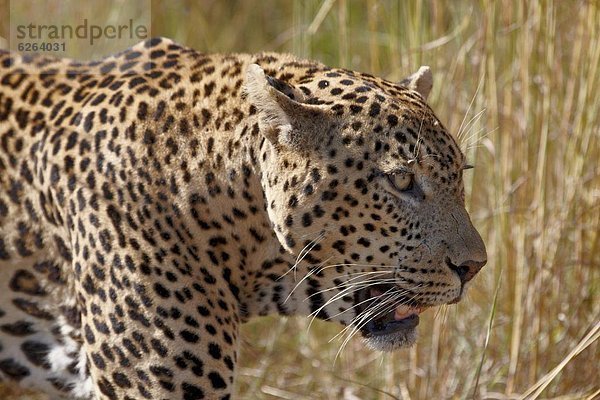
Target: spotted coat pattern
[(153, 201)]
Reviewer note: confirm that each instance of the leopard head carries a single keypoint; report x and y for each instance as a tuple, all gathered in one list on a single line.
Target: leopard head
[(364, 186)]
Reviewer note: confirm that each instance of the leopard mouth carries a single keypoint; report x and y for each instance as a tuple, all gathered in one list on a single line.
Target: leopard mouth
[(394, 318)]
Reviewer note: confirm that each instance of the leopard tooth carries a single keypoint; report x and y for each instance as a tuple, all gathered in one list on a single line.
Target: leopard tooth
[(402, 312)]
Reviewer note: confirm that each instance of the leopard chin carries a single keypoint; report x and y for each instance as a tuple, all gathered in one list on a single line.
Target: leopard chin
[(398, 339)]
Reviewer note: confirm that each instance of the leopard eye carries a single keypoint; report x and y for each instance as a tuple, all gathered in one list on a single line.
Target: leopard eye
[(401, 181)]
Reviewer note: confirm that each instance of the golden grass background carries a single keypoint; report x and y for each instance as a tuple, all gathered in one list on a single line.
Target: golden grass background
[(521, 81)]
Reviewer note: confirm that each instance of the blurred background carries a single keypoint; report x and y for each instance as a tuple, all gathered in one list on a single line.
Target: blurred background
[(520, 81)]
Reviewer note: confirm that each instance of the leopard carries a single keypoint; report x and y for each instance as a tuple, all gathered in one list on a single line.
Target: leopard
[(155, 200)]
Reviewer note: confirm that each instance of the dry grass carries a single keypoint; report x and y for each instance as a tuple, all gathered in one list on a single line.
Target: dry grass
[(522, 80)]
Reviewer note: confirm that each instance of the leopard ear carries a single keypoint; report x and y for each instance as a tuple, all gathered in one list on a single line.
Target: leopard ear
[(421, 81), (285, 119)]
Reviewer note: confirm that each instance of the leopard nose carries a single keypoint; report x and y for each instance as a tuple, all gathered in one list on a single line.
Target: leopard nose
[(467, 270)]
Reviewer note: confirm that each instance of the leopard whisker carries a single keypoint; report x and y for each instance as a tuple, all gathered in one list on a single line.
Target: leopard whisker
[(341, 294), (419, 138), (476, 143), (319, 269), (460, 128), (359, 321), (368, 316), (357, 285), (304, 252), (347, 291), (308, 275), (359, 265), (390, 293), (469, 125), (350, 308), (469, 142)]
